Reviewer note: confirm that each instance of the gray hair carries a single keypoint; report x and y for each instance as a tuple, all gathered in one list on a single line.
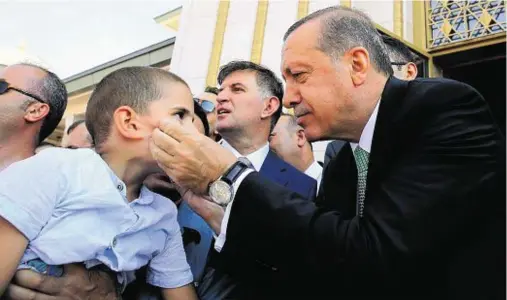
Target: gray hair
[(345, 28)]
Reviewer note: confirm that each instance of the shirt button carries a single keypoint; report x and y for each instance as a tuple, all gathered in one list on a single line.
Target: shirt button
[(114, 242), (120, 187)]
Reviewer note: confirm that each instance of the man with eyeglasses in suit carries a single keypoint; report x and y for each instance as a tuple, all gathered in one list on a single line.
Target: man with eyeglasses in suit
[(208, 102)]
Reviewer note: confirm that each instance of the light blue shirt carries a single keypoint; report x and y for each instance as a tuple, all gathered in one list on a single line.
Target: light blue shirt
[(72, 208)]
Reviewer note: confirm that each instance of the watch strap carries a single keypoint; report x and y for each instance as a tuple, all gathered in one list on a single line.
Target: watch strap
[(236, 170)]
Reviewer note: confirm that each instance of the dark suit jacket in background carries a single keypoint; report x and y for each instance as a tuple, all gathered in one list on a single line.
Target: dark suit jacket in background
[(227, 281), (332, 149), (434, 220)]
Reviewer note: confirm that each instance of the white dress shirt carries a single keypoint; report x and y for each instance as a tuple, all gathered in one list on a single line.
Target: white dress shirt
[(367, 135), (315, 172), (257, 159), (364, 142)]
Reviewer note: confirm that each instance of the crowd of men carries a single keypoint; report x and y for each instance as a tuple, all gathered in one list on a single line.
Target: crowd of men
[(159, 194)]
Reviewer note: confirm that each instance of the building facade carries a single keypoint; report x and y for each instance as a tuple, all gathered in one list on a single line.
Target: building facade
[(464, 40), (442, 33)]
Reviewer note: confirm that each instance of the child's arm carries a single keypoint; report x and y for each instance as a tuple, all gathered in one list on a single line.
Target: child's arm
[(29, 192), (12, 246), (169, 269), (185, 292)]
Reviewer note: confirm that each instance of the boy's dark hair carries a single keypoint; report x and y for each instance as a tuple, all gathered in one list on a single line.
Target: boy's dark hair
[(201, 114), (267, 81), (135, 87), (52, 90), (211, 90)]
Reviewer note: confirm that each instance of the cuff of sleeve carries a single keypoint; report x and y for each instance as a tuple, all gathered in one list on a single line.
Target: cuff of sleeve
[(170, 281), (220, 240), (18, 218)]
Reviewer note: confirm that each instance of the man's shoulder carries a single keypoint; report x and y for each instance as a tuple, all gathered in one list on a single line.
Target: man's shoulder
[(423, 97), (289, 171), (58, 159), (335, 146), (438, 89)]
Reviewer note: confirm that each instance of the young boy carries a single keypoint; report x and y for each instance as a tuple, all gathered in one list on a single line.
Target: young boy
[(62, 206)]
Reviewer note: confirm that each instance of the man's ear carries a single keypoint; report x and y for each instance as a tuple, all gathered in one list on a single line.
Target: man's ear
[(411, 71), (127, 123), (301, 137), (36, 112), (271, 105), (358, 59)]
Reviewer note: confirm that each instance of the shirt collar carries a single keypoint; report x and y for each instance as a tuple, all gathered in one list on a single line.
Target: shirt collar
[(314, 170), (145, 195), (256, 158), (367, 135)]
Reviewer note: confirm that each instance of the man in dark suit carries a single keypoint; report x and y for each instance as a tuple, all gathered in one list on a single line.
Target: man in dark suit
[(248, 107), (403, 62), (332, 149), (424, 215)]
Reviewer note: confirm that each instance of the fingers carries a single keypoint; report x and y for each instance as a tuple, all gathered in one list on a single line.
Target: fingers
[(165, 142), (173, 128), (163, 159), (38, 282), (15, 292)]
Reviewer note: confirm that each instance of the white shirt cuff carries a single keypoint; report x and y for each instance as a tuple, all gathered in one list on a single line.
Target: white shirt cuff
[(220, 240)]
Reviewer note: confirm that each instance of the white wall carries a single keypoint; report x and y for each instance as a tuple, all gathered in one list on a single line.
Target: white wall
[(281, 14), (408, 24), (381, 11), (320, 4), (239, 31), (194, 42)]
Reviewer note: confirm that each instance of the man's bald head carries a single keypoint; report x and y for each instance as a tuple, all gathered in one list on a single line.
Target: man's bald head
[(41, 83)]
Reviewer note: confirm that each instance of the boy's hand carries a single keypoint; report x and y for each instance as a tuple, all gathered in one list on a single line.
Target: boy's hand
[(76, 283)]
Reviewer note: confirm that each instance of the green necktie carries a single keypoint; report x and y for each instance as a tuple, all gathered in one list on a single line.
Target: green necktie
[(361, 156)]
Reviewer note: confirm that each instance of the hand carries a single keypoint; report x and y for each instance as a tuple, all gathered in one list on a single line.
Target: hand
[(211, 212), (77, 283), (162, 185), (191, 159)]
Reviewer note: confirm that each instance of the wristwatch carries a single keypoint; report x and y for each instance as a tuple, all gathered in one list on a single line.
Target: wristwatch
[(221, 191)]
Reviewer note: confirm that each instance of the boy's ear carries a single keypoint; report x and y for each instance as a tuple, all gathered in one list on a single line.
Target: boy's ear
[(127, 123)]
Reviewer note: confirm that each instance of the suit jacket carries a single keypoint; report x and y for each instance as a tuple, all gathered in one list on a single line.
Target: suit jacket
[(434, 216), (230, 281), (332, 150)]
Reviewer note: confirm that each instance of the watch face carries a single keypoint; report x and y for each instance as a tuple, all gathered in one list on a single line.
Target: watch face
[(220, 192)]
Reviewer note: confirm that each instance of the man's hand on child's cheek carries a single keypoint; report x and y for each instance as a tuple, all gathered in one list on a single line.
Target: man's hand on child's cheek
[(191, 159)]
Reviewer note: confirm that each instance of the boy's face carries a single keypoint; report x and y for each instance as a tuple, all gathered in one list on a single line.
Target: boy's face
[(176, 102)]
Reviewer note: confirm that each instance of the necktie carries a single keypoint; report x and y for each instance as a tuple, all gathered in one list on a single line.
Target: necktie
[(361, 156)]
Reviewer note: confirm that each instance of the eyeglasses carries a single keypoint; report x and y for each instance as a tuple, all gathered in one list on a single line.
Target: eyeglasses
[(206, 105), (5, 87)]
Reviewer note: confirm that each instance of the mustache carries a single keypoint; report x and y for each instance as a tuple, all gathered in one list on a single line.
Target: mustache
[(300, 110)]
